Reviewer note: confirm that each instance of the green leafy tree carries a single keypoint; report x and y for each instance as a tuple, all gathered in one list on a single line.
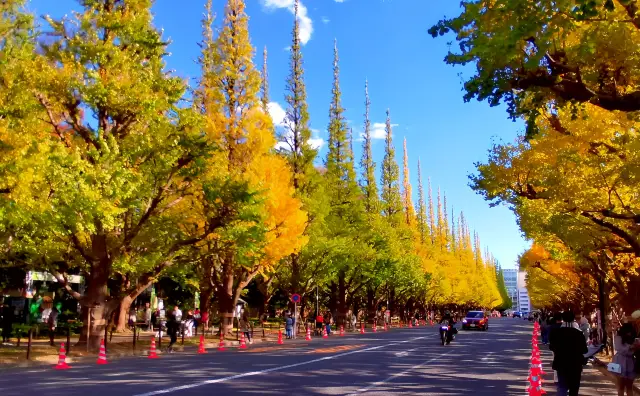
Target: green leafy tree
[(113, 211), (557, 53), (391, 201)]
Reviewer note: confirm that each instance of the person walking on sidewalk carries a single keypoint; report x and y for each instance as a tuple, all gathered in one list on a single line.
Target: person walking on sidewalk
[(289, 327), (52, 323), (568, 346), (327, 322), (173, 326), (245, 327), (625, 345)]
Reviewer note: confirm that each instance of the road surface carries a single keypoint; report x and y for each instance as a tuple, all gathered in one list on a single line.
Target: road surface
[(399, 362)]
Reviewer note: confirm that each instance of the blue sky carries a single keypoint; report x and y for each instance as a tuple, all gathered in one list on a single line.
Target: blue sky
[(386, 42)]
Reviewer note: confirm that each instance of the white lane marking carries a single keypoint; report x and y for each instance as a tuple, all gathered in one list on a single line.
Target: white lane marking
[(384, 381), (253, 373)]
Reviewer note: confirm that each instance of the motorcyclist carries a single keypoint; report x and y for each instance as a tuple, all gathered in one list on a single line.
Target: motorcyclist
[(447, 318)]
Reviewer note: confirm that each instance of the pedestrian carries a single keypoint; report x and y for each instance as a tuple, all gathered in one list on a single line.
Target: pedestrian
[(245, 327), (7, 322), (625, 345), (545, 327), (327, 322), (52, 323), (319, 324), (132, 319), (147, 317), (569, 346), (583, 326), (155, 320), (173, 325), (289, 327), (196, 319), (187, 327)]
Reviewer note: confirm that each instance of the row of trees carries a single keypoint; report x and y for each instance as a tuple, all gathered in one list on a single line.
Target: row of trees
[(113, 168), (569, 69)]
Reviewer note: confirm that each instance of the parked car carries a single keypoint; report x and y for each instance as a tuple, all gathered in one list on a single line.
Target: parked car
[(517, 314), (475, 320)]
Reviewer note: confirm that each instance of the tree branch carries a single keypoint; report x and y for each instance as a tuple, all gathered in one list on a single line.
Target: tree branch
[(630, 239), (62, 279)]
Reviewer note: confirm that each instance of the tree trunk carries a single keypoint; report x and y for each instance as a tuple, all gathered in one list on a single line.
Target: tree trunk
[(96, 309), (122, 317), (206, 291), (631, 301), (372, 304), (225, 297), (342, 298)]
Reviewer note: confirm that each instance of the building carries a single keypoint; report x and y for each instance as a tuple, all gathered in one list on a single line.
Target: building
[(510, 277), (524, 304)]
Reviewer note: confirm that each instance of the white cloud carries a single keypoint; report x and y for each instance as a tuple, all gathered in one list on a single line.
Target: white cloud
[(277, 113), (306, 25), (325, 20), (378, 130), (340, 1), (316, 143)]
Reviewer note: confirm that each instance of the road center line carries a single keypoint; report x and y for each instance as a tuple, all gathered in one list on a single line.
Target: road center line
[(396, 375), (279, 368)]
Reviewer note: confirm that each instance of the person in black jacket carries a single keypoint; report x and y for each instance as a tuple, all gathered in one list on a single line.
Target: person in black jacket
[(569, 346)]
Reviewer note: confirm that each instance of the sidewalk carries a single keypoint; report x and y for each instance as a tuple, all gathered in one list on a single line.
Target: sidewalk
[(596, 380), (42, 354)]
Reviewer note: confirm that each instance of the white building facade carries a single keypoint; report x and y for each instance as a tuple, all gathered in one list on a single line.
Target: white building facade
[(510, 277), (524, 304)]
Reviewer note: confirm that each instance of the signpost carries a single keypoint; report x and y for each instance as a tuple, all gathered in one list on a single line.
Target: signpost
[(295, 298)]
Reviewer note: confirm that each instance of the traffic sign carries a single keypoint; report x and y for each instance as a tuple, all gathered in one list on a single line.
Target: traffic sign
[(295, 298)]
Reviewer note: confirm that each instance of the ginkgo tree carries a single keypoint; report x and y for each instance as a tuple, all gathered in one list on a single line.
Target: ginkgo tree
[(528, 54), (574, 183), (114, 166), (247, 195)]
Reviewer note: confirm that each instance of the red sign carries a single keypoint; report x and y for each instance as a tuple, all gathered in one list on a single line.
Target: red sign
[(295, 298)]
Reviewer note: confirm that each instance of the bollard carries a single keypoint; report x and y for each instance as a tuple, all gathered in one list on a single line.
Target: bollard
[(68, 339), (29, 344), (160, 337), (134, 337), (106, 330), (182, 336)]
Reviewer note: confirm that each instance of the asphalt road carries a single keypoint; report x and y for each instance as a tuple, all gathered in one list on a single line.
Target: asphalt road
[(399, 362)]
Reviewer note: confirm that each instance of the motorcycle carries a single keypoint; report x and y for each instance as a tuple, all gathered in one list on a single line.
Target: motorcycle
[(446, 334)]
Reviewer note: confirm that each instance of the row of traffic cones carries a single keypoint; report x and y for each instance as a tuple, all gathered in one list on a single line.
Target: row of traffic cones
[(62, 357), (535, 367), (153, 354)]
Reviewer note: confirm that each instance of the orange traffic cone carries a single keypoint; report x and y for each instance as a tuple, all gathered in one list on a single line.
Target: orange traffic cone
[(341, 330), (362, 328), (243, 345), (324, 333), (152, 350), (385, 327), (102, 356), (375, 328), (201, 349), (280, 342), (221, 343), (62, 359), (308, 337), (410, 323)]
